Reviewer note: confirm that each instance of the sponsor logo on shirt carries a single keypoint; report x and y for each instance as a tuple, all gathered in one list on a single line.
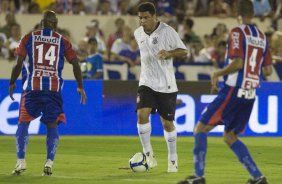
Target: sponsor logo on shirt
[(47, 39), (257, 42)]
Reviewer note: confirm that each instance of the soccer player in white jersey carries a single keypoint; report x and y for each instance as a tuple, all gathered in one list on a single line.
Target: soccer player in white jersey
[(159, 44), (247, 58)]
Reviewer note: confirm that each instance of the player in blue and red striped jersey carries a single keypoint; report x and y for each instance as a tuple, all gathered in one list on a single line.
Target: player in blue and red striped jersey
[(42, 52), (247, 59)]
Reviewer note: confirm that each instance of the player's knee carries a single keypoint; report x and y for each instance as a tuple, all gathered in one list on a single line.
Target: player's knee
[(52, 125), (168, 126), (143, 116), (200, 127), (229, 138)]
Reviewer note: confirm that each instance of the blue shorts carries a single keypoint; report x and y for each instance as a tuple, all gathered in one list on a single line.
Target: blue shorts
[(232, 108), (46, 103)]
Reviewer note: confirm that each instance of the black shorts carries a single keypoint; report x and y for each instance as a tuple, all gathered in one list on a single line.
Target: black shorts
[(164, 103)]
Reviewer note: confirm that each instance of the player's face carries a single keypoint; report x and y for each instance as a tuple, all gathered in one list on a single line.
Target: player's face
[(147, 20)]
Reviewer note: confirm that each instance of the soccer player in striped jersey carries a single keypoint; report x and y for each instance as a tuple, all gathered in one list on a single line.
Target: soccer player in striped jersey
[(159, 44), (247, 59), (42, 52)]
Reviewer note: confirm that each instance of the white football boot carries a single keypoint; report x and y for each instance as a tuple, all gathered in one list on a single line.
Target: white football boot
[(47, 171), (172, 166), (151, 160), (20, 167)]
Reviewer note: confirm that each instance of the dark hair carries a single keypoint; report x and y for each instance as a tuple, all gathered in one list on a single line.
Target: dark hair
[(189, 22), (147, 7), (92, 40), (245, 8)]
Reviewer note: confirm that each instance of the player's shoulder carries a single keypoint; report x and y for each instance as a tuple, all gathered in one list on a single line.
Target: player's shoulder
[(163, 27), (138, 31), (237, 29)]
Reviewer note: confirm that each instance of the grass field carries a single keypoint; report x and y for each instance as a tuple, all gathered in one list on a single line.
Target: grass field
[(90, 160)]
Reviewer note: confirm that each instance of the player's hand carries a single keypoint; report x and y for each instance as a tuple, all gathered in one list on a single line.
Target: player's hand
[(83, 95), (163, 54), (12, 87), (214, 84)]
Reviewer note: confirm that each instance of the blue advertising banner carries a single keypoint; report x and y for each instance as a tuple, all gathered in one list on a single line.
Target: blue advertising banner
[(111, 105), (81, 119)]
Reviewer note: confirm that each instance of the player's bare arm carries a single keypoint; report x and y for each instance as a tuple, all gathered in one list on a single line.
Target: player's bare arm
[(14, 76), (236, 65), (163, 54), (78, 78)]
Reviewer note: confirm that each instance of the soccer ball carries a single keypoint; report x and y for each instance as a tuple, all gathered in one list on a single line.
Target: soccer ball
[(138, 162)]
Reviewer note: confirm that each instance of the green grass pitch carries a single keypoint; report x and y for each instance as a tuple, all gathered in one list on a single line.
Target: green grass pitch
[(95, 159)]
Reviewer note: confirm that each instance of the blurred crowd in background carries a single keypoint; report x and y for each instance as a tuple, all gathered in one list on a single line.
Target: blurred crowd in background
[(120, 44)]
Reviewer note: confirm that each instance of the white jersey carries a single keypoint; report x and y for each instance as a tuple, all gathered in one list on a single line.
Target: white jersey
[(155, 73)]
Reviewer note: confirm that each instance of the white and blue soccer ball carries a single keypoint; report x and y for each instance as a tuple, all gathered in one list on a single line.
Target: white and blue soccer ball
[(138, 162)]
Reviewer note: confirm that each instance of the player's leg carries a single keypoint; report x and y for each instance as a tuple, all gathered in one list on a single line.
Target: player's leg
[(199, 154), (145, 104), (21, 142), (52, 141), (211, 117), (200, 147), (166, 105), (145, 129), (170, 135), (29, 110), (242, 153), (52, 115)]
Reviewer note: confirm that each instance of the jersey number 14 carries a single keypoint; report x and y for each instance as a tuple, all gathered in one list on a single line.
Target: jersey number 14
[(49, 55)]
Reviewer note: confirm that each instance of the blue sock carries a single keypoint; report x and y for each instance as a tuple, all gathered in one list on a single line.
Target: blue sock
[(52, 142), (200, 150), (245, 158), (21, 139)]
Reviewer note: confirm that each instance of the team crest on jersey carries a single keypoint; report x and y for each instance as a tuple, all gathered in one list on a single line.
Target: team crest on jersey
[(155, 40)]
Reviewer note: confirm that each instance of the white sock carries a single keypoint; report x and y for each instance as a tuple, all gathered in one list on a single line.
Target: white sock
[(171, 138), (144, 131)]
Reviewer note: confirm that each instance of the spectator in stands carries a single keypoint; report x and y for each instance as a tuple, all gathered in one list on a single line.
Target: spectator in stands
[(119, 23), (91, 6), (277, 9), (132, 54), (92, 67), (190, 7), (78, 7), (201, 8), (197, 53), (233, 4), (123, 7), (219, 8), (7, 6), (81, 50), (122, 44), (262, 8), (34, 8), (276, 46), (93, 32), (4, 51), (10, 20), (104, 8), (165, 7), (219, 54), (23, 9), (189, 34), (14, 40), (220, 33)]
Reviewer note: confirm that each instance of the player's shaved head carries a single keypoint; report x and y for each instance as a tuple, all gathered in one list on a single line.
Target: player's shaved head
[(246, 8), (50, 19)]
